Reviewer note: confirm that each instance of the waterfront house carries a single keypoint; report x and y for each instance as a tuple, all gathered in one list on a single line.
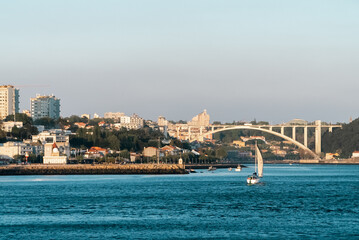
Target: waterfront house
[(95, 152), (149, 151), (355, 154)]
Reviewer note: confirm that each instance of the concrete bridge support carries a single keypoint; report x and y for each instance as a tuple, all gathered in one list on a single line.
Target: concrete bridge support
[(318, 137), (189, 133), (293, 133), (306, 136)]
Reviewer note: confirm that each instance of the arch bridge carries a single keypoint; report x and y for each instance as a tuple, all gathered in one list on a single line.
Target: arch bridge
[(270, 129)]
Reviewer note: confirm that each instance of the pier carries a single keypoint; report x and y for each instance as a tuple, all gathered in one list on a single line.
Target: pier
[(87, 169)]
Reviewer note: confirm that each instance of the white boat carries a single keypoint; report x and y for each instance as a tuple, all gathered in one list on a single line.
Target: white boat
[(238, 168), (255, 178), (211, 168)]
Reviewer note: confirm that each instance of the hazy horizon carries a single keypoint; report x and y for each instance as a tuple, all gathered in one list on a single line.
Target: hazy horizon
[(240, 60)]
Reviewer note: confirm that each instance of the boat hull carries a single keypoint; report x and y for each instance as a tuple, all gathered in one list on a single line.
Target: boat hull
[(252, 180)]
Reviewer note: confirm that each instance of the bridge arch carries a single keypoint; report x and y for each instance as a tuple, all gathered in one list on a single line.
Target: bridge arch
[(267, 131)]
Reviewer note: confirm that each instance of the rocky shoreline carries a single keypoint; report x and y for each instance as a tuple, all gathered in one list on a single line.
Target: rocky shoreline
[(88, 169)]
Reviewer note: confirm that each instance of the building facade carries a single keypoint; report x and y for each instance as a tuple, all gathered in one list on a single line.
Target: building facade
[(114, 115), (11, 149), (9, 101), (201, 120), (7, 126), (45, 106), (59, 137), (53, 154)]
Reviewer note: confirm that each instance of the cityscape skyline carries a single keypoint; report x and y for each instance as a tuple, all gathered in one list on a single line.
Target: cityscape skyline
[(101, 114), (240, 60)]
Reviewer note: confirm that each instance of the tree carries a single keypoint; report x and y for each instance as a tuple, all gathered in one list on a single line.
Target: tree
[(114, 142), (20, 117), (46, 121)]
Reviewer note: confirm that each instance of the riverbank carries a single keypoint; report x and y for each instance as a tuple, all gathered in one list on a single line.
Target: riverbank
[(349, 161), (86, 169)]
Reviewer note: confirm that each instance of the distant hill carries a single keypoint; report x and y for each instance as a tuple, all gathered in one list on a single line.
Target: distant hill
[(344, 141)]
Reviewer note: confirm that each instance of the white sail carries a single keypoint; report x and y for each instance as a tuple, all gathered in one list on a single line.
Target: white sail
[(259, 159)]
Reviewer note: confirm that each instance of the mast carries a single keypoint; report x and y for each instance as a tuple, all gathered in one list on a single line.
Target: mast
[(255, 157)]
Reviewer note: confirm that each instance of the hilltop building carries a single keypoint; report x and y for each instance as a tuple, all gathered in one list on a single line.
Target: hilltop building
[(45, 106), (201, 120), (26, 112), (7, 126), (85, 115), (133, 122), (195, 130), (114, 115), (9, 101), (161, 121)]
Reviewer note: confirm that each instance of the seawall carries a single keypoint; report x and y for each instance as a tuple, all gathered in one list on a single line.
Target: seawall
[(86, 169)]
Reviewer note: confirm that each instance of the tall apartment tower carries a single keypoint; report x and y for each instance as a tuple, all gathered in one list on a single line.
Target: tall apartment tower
[(45, 106), (9, 101)]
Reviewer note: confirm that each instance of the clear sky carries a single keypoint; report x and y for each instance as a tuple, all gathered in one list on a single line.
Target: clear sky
[(239, 59)]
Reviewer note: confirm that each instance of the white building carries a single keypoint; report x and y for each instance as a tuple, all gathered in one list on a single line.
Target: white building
[(45, 106), (53, 154), (136, 120), (125, 119), (162, 121), (11, 149), (9, 101), (57, 136), (7, 126), (128, 126)]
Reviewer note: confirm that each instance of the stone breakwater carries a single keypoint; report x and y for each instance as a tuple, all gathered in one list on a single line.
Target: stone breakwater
[(84, 169)]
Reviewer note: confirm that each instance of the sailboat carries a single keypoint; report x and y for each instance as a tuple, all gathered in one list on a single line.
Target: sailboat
[(238, 168), (255, 178)]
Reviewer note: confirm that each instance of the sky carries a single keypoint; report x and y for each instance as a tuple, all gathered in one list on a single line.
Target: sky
[(241, 60)]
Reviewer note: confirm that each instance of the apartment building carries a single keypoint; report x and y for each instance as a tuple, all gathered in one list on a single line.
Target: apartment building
[(45, 106), (9, 101)]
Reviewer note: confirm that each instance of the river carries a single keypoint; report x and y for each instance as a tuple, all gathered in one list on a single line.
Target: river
[(293, 202)]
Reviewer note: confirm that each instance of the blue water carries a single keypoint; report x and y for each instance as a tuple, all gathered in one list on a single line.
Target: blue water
[(293, 202)]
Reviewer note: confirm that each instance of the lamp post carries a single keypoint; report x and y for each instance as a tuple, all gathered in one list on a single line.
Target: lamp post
[(26, 156)]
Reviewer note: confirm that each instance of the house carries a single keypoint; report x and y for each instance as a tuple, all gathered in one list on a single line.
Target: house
[(239, 143), (134, 156), (80, 124), (149, 151), (329, 156), (11, 149), (95, 152), (355, 154), (101, 124), (170, 150)]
